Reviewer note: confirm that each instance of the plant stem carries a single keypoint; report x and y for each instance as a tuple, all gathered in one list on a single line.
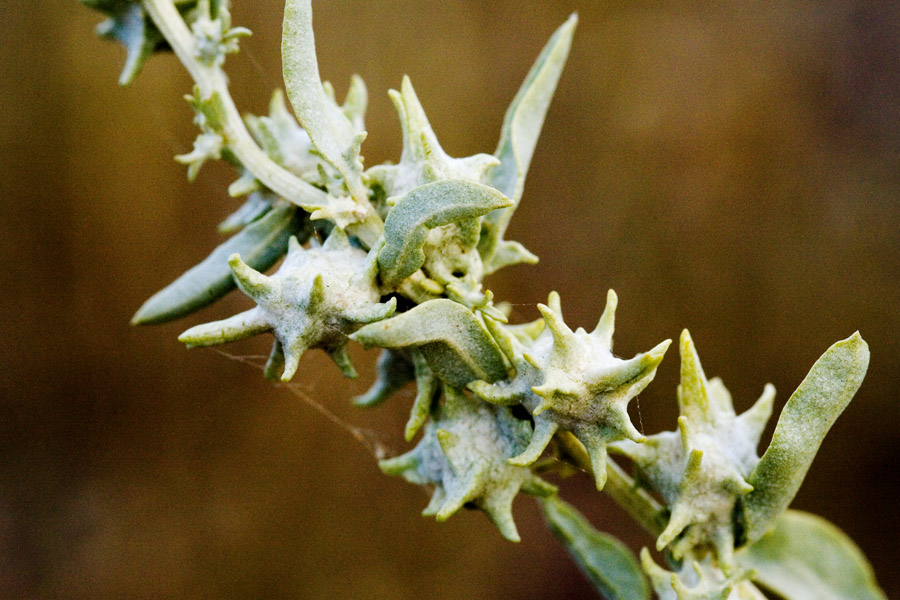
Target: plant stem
[(210, 80), (637, 502), (649, 513)]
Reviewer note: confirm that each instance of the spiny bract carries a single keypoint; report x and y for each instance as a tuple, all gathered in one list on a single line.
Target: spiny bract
[(316, 298), (702, 468), (464, 453), (571, 380)]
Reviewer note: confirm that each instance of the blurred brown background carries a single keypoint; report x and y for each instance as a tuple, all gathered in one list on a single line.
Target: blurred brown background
[(729, 167)]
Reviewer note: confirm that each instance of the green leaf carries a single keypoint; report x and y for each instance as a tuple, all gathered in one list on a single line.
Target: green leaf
[(328, 127), (807, 558), (129, 24), (808, 415), (393, 371), (606, 561), (453, 341), (261, 244), (426, 207), (256, 205), (518, 138), (525, 116)]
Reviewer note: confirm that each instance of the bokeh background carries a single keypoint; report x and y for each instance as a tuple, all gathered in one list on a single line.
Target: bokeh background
[(729, 167)]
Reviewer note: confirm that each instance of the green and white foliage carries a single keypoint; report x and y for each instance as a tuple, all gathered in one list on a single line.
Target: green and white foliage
[(333, 133), (808, 415), (701, 469), (571, 380), (521, 128), (129, 24), (407, 247), (316, 298), (422, 159), (464, 453)]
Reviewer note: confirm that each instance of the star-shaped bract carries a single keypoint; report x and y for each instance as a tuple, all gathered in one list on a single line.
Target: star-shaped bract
[(316, 298), (701, 469), (571, 380), (422, 159), (450, 249), (463, 454)]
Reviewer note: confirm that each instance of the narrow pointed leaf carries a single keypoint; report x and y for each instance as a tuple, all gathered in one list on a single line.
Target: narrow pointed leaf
[(525, 116), (453, 341), (328, 127), (808, 415), (607, 562), (260, 245), (426, 207), (253, 208), (807, 558), (394, 371), (518, 138)]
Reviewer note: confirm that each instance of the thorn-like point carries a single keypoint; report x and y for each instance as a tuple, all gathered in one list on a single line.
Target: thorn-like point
[(553, 318), (607, 324), (252, 282)]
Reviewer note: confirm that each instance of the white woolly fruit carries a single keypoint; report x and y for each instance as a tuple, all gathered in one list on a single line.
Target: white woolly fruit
[(317, 297), (463, 454), (571, 380), (701, 469)]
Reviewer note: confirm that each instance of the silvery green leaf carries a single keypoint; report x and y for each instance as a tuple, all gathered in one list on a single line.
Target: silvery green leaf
[(328, 127), (262, 243), (808, 415), (255, 207), (130, 25), (453, 341), (518, 138), (426, 207), (807, 558), (393, 371), (606, 561)]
